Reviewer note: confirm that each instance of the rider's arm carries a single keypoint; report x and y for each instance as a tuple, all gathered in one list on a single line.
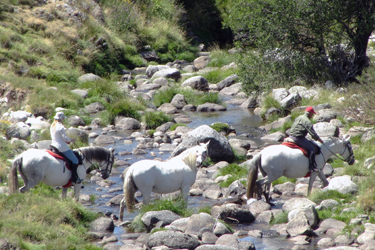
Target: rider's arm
[(310, 129), (63, 134)]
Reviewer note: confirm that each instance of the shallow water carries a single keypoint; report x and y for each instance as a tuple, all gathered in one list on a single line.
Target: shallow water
[(242, 120)]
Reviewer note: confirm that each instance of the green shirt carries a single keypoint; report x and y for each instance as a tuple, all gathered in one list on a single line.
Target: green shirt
[(301, 126)]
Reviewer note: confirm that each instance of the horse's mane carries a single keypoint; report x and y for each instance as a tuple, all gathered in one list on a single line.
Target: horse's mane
[(94, 153), (190, 158)]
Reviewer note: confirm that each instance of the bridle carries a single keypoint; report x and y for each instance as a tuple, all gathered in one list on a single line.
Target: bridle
[(348, 146), (109, 161)]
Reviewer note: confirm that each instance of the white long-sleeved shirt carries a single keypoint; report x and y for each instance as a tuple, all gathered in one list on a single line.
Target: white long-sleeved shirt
[(59, 137)]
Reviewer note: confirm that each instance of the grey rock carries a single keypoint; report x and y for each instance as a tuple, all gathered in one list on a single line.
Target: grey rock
[(173, 239)]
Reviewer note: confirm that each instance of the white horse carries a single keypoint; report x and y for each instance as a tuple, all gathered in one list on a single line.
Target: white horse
[(279, 160), (162, 177), (36, 165)]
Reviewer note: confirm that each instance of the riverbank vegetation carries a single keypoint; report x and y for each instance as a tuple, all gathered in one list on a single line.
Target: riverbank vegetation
[(46, 45), (41, 220)]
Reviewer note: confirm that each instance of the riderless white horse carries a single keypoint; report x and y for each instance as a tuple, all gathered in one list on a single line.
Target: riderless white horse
[(163, 177), (36, 165), (279, 160)]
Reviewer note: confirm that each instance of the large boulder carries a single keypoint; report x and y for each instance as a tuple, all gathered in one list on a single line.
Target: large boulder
[(127, 123), (219, 148), (88, 78), (173, 240), (196, 82)]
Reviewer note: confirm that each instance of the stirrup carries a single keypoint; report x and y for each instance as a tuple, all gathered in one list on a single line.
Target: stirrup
[(314, 170)]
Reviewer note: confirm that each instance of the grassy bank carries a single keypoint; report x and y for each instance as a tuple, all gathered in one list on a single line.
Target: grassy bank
[(41, 220)]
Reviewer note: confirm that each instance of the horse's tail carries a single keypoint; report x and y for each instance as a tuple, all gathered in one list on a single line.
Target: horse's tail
[(129, 190), (13, 178), (253, 175)]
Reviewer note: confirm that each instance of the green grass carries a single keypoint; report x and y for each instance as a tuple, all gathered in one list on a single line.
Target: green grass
[(155, 119), (282, 180), (191, 96), (40, 218), (280, 219), (233, 169), (319, 196), (176, 206), (220, 127), (218, 75)]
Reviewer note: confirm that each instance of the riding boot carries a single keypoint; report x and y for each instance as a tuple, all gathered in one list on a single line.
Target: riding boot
[(312, 163), (75, 177)]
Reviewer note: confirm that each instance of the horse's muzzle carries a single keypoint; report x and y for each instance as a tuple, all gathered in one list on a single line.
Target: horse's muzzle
[(351, 162), (105, 175)]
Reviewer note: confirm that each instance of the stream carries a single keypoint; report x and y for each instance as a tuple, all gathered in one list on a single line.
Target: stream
[(245, 123)]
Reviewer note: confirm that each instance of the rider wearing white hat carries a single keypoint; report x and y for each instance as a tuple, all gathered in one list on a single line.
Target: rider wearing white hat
[(301, 126), (60, 141)]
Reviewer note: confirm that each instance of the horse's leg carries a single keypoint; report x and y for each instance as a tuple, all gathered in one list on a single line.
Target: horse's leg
[(64, 192), (311, 182), (185, 194), (77, 190), (267, 184), (323, 178), (29, 182), (122, 208), (146, 197)]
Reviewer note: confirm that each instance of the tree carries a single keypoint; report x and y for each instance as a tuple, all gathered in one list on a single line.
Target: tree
[(305, 39)]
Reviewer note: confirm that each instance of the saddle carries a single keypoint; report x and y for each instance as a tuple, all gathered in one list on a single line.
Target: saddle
[(57, 154), (289, 142), (68, 163)]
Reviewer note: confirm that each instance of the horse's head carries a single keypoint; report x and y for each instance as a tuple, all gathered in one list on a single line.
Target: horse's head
[(102, 156), (348, 154), (195, 156), (106, 166), (202, 153)]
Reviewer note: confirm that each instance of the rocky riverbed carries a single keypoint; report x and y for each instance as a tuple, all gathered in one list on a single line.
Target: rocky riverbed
[(250, 218)]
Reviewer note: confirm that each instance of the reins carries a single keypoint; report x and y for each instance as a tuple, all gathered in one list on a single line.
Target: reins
[(346, 146)]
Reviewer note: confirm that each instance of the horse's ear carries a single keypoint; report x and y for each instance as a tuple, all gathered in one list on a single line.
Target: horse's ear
[(205, 144)]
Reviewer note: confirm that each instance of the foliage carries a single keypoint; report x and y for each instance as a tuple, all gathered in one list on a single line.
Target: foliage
[(174, 126), (282, 180), (220, 127), (205, 209), (137, 225), (305, 40), (124, 107), (7, 151), (176, 206), (280, 219), (318, 197), (191, 96), (39, 218), (235, 171), (155, 119)]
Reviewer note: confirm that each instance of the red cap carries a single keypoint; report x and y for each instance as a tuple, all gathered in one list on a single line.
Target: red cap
[(310, 109)]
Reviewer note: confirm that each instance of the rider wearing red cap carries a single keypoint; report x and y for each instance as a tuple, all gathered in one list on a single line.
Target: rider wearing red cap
[(301, 126)]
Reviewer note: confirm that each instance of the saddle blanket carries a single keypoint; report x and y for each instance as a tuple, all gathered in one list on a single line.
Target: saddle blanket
[(304, 151), (293, 145), (57, 156)]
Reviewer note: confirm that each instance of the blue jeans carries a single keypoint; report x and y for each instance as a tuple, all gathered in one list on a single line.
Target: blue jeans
[(71, 156), (304, 143)]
